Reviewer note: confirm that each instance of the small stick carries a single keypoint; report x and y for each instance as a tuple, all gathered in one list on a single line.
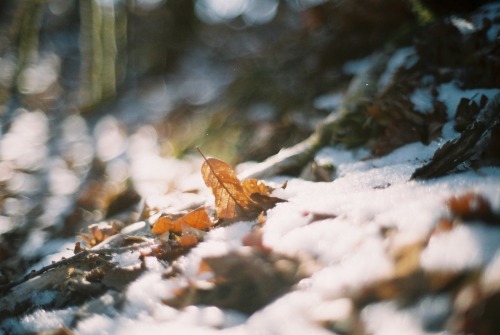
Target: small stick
[(65, 261)]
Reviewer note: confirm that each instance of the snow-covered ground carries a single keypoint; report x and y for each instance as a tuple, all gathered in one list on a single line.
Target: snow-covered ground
[(352, 231), (351, 253)]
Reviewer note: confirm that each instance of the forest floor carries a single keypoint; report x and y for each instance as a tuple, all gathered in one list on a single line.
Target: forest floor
[(393, 237)]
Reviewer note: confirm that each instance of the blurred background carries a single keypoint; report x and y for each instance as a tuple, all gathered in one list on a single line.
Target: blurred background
[(101, 99)]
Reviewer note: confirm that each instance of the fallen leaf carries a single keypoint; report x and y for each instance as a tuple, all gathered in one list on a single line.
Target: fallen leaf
[(167, 250), (197, 219), (188, 240), (231, 201), (471, 206), (98, 232), (78, 248), (265, 201), (163, 225), (259, 193), (251, 186)]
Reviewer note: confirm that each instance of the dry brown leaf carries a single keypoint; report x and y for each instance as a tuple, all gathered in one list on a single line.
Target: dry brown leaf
[(98, 232), (167, 250), (78, 248), (265, 201), (188, 240), (251, 186), (471, 206), (163, 225), (231, 201), (259, 192), (197, 219)]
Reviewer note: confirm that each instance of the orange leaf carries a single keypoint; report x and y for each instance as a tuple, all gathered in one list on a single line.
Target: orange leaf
[(265, 201), (163, 225), (259, 192), (231, 201), (98, 232), (197, 219), (470, 206), (251, 186), (188, 240), (78, 248)]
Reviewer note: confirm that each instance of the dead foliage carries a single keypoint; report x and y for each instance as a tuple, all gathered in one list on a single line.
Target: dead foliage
[(243, 281), (235, 200)]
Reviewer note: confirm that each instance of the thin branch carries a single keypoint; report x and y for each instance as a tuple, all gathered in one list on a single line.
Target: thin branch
[(330, 130), (73, 259)]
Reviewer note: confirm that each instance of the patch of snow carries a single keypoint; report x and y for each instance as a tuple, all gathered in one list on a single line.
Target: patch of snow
[(54, 250), (491, 12), (465, 26), (39, 321), (386, 318), (400, 57), (96, 324), (164, 319), (217, 242), (450, 94), (422, 100), (464, 247), (290, 314), (128, 258), (365, 264), (329, 240), (145, 293)]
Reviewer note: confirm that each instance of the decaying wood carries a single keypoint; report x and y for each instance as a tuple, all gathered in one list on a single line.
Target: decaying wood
[(73, 275), (470, 143)]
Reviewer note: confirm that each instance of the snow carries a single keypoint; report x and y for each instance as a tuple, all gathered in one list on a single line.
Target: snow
[(490, 12), (422, 100), (38, 321), (336, 225), (345, 243), (350, 251), (400, 57), (450, 94), (386, 319), (467, 247)]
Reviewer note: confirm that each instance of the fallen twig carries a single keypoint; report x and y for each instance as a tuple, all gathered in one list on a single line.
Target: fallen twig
[(330, 130), (66, 261), (471, 142)]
